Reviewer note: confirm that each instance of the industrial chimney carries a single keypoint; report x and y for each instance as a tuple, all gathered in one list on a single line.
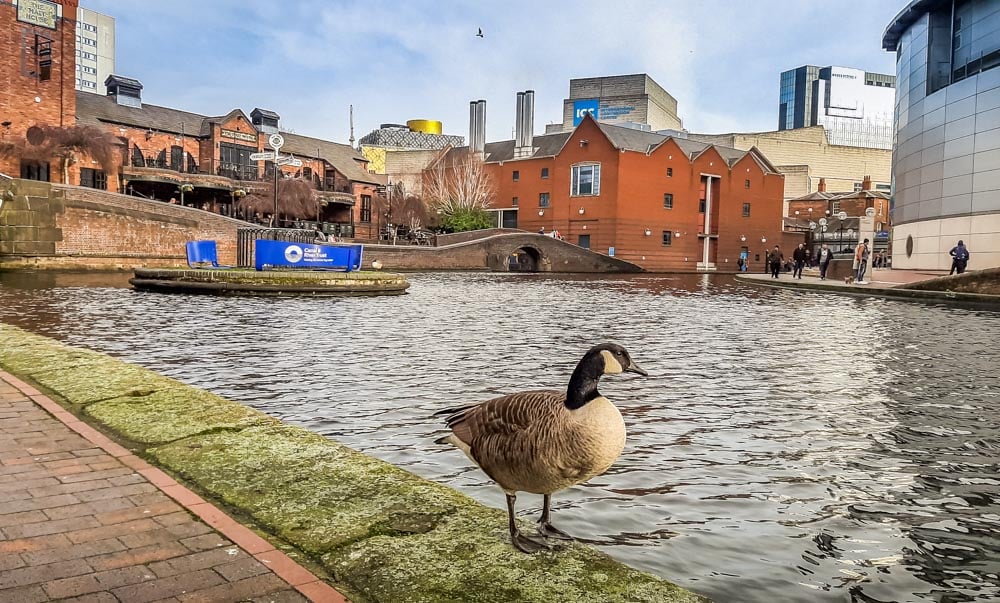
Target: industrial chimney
[(525, 124), (477, 126)]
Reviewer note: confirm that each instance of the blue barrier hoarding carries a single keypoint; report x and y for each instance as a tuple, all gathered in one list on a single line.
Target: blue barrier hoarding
[(282, 254), (583, 107)]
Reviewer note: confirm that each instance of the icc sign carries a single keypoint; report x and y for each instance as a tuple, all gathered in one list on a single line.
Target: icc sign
[(583, 107)]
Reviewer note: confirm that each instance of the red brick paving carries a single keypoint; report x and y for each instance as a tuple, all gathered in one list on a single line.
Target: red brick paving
[(83, 519)]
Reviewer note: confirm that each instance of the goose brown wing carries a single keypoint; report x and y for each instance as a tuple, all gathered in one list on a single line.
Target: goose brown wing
[(507, 418)]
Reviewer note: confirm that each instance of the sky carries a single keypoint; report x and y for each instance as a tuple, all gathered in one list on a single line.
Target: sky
[(309, 60)]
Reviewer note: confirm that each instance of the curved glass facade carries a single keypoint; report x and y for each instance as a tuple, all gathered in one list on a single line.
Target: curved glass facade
[(946, 156)]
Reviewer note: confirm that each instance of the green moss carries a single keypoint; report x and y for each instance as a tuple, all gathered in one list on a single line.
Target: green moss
[(383, 533), (174, 413)]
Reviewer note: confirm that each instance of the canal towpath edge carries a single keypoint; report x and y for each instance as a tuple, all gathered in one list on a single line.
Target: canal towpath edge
[(81, 516), (383, 534)]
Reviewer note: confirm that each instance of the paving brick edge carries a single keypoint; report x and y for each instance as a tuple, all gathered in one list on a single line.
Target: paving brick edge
[(895, 292), (286, 568)]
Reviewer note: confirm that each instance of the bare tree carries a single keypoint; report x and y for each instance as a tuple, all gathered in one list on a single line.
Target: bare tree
[(399, 207), (296, 199), (459, 182), (44, 143)]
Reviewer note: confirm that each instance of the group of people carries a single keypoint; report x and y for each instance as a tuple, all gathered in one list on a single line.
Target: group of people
[(801, 257)]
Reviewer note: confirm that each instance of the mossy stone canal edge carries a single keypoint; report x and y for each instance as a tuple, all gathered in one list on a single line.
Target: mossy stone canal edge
[(383, 534), (237, 281)]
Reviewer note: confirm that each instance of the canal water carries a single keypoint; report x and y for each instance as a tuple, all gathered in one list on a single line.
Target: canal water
[(787, 446)]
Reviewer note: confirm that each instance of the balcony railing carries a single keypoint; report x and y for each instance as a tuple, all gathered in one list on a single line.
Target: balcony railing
[(239, 172)]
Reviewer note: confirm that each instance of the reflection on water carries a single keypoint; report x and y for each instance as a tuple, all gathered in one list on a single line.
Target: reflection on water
[(786, 446)]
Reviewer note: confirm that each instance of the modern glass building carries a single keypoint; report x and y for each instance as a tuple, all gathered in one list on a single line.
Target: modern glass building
[(854, 106), (946, 156)]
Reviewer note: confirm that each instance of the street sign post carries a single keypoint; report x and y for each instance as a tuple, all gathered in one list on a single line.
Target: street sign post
[(276, 141), (289, 160), (263, 156)]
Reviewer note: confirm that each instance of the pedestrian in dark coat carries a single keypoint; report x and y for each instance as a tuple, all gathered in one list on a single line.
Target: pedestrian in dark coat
[(959, 258), (775, 259), (799, 257)]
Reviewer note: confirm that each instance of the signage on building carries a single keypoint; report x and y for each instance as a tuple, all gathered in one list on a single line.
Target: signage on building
[(38, 12), (239, 135), (584, 107), (264, 156), (276, 141), (615, 112)]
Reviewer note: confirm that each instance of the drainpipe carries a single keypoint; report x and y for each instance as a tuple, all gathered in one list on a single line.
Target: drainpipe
[(708, 221)]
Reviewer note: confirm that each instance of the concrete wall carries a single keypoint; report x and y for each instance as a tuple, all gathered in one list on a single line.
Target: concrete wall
[(53, 226)]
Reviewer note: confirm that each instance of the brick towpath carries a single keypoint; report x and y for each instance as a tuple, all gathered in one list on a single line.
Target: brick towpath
[(83, 519)]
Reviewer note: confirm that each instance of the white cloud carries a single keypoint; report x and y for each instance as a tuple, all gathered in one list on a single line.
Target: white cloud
[(308, 60)]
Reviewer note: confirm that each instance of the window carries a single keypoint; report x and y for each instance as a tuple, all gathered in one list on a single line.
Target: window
[(545, 173), (366, 208), (746, 184), (583, 241), (668, 200), (89, 84), (858, 187), (746, 210), (93, 179), (513, 202), (701, 206), (32, 170), (516, 175), (176, 158), (307, 173), (835, 208), (543, 199), (670, 172), (883, 187), (667, 237), (586, 180)]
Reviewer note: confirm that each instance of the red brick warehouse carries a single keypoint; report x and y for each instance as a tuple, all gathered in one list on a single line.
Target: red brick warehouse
[(37, 73), (668, 204)]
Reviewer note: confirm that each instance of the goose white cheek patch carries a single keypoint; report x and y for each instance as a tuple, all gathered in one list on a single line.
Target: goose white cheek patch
[(611, 364)]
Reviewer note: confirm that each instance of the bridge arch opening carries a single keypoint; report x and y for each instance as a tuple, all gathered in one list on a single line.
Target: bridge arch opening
[(524, 259)]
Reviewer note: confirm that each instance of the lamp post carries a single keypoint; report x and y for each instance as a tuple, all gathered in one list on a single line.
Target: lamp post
[(763, 242)]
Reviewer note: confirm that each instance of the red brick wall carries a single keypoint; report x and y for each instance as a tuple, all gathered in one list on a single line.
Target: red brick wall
[(19, 88), (631, 200), (133, 231)]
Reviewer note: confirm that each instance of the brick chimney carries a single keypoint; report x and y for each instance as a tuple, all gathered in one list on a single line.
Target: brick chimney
[(822, 185), (866, 184)]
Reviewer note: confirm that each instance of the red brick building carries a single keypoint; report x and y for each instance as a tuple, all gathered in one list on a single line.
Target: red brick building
[(37, 74), (665, 203), (164, 153), (807, 213), (163, 149)]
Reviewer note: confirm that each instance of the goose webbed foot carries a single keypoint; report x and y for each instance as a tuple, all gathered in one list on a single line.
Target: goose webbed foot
[(527, 544), (548, 530)]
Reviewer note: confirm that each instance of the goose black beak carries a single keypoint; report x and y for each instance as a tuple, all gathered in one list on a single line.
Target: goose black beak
[(635, 368)]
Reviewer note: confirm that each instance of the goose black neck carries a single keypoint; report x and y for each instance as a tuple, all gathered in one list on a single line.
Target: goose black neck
[(583, 383)]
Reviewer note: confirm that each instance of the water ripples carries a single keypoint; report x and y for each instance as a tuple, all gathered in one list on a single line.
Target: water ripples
[(788, 446)]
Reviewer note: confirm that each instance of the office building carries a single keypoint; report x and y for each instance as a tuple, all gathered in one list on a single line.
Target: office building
[(95, 50), (633, 101), (854, 106), (946, 160)]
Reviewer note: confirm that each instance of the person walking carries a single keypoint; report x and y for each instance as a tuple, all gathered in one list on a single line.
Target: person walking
[(959, 258), (775, 259), (823, 257), (799, 257), (861, 254)]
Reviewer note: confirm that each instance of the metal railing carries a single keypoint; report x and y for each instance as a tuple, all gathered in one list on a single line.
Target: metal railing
[(246, 236)]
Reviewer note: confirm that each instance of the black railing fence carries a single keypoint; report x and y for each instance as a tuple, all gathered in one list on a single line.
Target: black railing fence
[(246, 236)]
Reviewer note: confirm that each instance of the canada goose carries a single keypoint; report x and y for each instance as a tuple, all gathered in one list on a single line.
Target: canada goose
[(544, 441)]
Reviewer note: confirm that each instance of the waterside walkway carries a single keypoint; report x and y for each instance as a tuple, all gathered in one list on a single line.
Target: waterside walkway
[(882, 283), (82, 517)]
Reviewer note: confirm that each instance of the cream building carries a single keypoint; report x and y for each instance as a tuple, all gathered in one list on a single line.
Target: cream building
[(95, 50), (804, 155)]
